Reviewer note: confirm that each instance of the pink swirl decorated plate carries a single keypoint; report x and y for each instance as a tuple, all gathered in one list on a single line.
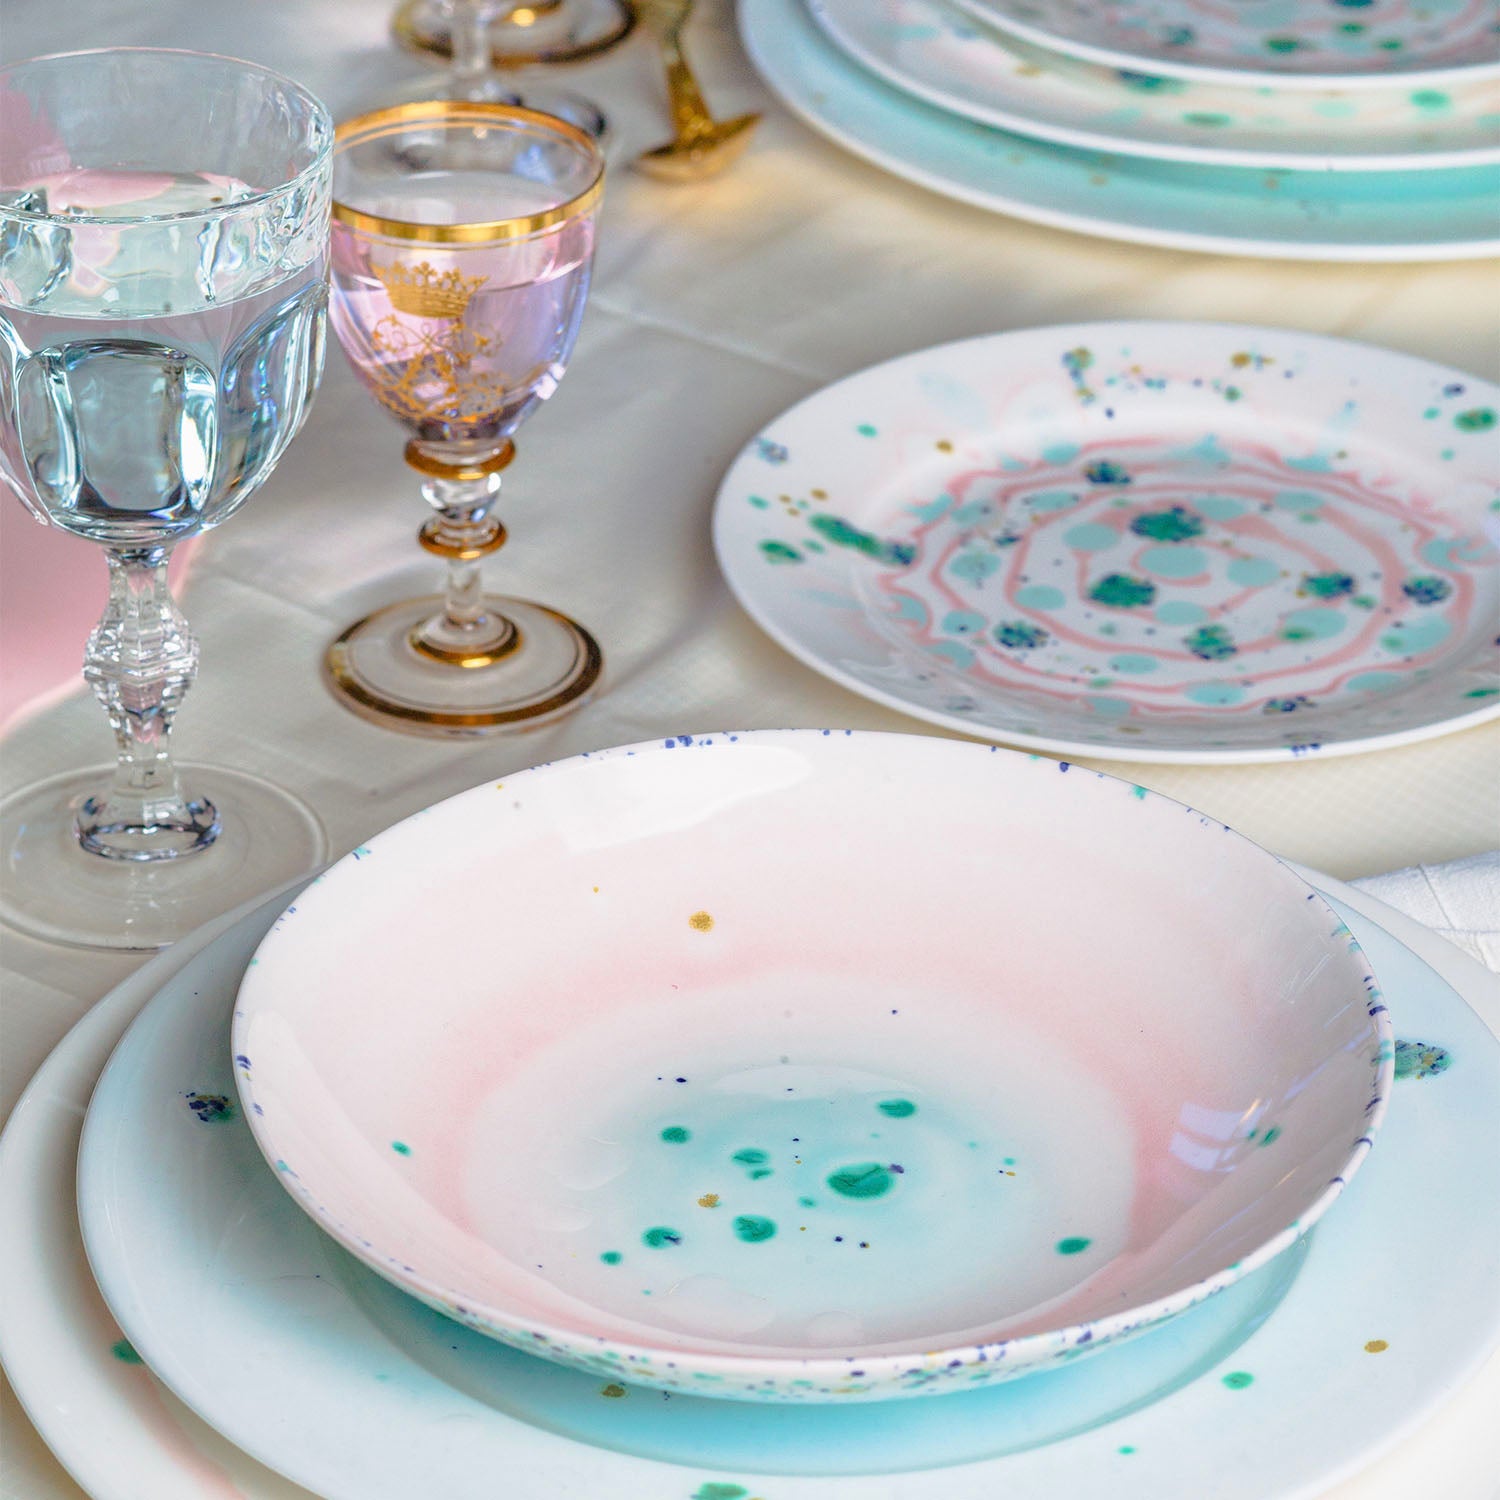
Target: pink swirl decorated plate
[(1311, 43), (1137, 541)]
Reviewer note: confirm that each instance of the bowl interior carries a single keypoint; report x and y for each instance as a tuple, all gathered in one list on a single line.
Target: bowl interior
[(794, 1044)]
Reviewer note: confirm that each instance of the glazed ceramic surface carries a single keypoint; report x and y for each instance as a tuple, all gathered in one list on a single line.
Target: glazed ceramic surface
[(325, 1371), (1145, 541), (1364, 216), (1286, 42), (714, 1103), (939, 53)]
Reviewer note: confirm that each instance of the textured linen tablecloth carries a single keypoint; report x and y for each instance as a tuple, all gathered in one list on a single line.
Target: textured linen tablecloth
[(714, 307)]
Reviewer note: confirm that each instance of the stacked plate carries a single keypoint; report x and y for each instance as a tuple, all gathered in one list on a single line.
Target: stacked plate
[(1331, 131), (721, 1101)]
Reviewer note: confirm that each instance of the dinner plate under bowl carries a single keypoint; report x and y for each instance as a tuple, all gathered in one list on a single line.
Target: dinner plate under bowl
[(1139, 541), (722, 1096), (322, 1370)]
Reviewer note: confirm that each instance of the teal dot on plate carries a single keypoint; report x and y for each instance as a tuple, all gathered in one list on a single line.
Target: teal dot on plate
[(400, 1148), (1090, 536), (865, 430), (1052, 500), (1253, 572), (1040, 596), (611, 1257), (1174, 562), (1133, 664), (1074, 1244), (1317, 624), (1219, 507), (1374, 682), (1301, 501), (1415, 636), (676, 1134), (1215, 694), (1180, 612), (1237, 1380)]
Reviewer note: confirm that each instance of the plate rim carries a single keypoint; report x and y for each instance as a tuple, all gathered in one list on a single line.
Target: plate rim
[(733, 569)]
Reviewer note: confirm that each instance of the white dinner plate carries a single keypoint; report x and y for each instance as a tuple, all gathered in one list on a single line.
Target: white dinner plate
[(1362, 216), (932, 50), (1137, 541), (324, 1371), (1304, 43)]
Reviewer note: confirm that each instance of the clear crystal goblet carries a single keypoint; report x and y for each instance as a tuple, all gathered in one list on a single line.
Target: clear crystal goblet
[(463, 241), (162, 304)]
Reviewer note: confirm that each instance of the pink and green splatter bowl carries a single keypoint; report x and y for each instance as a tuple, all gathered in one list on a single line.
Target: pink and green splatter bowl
[(806, 1066)]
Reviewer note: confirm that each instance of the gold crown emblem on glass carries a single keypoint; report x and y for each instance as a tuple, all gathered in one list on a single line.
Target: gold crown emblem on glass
[(423, 292), (459, 320)]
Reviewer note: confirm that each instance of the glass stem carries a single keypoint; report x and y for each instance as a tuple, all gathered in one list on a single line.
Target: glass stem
[(141, 660), (470, 36), (464, 532)]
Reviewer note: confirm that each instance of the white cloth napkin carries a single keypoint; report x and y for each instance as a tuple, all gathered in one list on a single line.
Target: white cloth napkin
[(1459, 900)]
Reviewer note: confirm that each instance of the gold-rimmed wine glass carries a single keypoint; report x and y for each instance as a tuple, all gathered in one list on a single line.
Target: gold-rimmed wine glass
[(463, 241)]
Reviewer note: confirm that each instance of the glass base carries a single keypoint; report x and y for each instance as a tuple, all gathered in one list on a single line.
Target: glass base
[(377, 671), (555, 31), (55, 890)]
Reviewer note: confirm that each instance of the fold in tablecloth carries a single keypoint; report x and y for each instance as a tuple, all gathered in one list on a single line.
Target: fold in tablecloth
[(1459, 900)]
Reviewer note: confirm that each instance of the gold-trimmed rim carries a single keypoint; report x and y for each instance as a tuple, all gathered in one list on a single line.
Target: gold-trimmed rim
[(384, 122)]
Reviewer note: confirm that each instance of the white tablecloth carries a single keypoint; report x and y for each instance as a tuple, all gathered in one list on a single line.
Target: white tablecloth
[(715, 306)]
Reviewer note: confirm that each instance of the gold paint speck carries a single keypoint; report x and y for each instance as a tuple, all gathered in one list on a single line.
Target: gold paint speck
[(943, 446), (819, 494), (613, 1390), (700, 921), (709, 1200), (1376, 1346)]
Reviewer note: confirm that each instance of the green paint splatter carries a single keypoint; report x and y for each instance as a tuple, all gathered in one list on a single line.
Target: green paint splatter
[(759, 502), (866, 1179), (1237, 1380), (750, 1157), (844, 534), (124, 1351), (676, 1134), (752, 1228), (1271, 1134), (1121, 591), (897, 1109), (1175, 524), (716, 1491), (1326, 585), (808, 1202), (660, 1237), (400, 1148), (779, 552), (209, 1109), (1481, 419), (1421, 1060), (1211, 643), (1484, 692), (611, 1257), (1125, 1448), (1209, 117), (1283, 43), (1075, 1244), (866, 430), (1431, 99)]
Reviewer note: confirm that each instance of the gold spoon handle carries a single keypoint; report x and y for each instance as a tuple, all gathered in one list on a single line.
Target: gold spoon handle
[(689, 113)]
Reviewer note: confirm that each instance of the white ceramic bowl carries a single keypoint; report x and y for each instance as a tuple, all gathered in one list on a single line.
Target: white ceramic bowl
[(803, 1065)]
